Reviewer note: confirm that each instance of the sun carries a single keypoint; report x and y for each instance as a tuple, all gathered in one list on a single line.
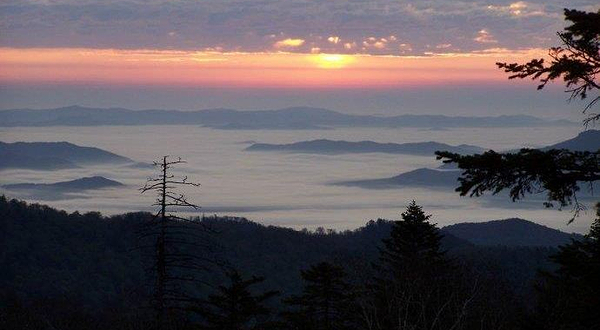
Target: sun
[(332, 61)]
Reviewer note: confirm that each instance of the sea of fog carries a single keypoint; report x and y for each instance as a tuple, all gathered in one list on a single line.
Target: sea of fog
[(288, 189)]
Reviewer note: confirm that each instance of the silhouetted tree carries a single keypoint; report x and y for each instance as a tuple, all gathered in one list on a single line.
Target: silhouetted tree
[(577, 60), (414, 242), (173, 238), (569, 297), (559, 173), (416, 286), (326, 301), (235, 307)]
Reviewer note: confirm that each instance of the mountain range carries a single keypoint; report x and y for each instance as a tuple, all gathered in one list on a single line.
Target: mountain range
[(287, 118), (422, 177), (446, 175), (324, 146)]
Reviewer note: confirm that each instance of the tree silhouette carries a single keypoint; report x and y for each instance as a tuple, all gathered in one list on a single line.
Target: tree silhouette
[(577, 61), (416, 286), (413, 242), (173, 239), (234, 307), (325, 302), (559, 173), (569, 297)]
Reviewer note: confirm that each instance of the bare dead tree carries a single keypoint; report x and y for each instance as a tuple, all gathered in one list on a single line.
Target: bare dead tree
[(172, 237)]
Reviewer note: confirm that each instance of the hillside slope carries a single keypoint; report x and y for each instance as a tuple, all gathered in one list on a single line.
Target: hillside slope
[(54, 155), (510, 232)]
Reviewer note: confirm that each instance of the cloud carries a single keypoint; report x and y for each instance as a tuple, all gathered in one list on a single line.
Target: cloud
[(405, 48), (517, 8), (377, 43), (334, 39), (484, 37), (522, 9), (289, 43), (260, 25)]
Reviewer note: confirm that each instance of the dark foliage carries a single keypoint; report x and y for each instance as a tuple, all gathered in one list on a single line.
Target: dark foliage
[(412, 288), (85, 267), (235, 307), (558, 173), (577, 61), (326, 301), (413, 242), (568, 298)]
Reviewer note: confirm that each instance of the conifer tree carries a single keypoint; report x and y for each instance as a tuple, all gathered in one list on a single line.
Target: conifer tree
[(569, 297), (235, 307), (326, 301), (413, 287), (560, 174), (414, 242), (576, 61)]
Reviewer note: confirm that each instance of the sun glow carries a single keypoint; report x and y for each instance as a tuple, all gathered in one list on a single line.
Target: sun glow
[(333, 61), (255, 70)]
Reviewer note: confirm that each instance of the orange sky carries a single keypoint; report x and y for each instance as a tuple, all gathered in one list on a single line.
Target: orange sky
[(260, 70)]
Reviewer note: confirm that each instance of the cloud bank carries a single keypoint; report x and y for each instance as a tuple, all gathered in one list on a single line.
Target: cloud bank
[(408, 27)]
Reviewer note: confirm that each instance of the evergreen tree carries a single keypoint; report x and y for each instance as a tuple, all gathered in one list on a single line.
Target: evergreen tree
[(235, 307), (561, 174), (413, 288), (576, 61), (326, 300), (569, 298), (414, 242)]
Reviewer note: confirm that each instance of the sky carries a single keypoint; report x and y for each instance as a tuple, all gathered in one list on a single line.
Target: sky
[(375, 56)]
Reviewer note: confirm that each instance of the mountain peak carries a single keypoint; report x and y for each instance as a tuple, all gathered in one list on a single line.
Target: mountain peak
[(588, 140), (510, 232)]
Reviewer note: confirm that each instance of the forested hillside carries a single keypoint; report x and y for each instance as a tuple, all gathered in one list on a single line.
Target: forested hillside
[(99, 263)]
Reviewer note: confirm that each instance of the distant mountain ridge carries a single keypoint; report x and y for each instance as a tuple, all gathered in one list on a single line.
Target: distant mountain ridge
[(422, 177), (510, 232), (86, 183), (588, 140), (287, 118), (323, 146), (53, 156), (447, 175), (62, 190)]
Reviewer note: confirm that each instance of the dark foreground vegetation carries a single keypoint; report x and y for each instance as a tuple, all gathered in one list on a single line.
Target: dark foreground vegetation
[(86, 271)]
